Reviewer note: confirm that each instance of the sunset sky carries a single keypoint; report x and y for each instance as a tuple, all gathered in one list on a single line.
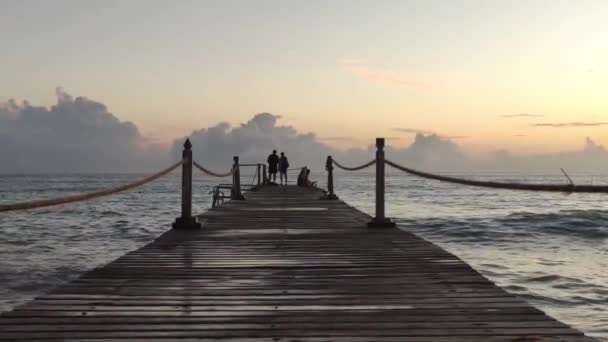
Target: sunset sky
[(525, 76)]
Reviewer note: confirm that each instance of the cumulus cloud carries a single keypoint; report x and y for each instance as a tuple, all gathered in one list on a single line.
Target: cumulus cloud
[(78, 134), (591, 158), (439, 154), (74, 135), (253, 141), (430, 151), (592, 147), (570, 124)]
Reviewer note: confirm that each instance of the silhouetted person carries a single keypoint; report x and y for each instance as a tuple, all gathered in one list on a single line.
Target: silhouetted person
[(273, 163), (283, 166), (303, 177), (308, 182)]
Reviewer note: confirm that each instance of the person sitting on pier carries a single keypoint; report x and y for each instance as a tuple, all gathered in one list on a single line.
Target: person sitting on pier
[(283, 166), (308, 181), (303, 177), (273, 162)]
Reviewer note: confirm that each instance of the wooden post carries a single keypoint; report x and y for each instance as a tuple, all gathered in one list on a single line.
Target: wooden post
[(380, 220), (259, 174), (329, 166), (186, 221), (236, 182), (265, 175)]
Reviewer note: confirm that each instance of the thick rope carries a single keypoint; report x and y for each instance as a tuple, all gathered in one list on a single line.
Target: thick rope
[(502, 185), (355, 168), (211, 173), (87, 196)]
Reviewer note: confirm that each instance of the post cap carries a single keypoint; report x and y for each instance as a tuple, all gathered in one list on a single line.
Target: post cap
[(236, 159), (380, 142), (187, 144), (329, 163)]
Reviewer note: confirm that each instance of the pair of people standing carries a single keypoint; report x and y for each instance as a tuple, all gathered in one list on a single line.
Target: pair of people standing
[(280, 164)]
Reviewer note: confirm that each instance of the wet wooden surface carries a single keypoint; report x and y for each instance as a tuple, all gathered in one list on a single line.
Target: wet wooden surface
[(283, 266)]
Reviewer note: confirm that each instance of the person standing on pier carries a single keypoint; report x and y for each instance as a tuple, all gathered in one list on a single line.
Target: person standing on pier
[(283, 166), (273, 162)]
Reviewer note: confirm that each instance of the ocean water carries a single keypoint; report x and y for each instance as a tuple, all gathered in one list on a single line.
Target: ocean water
[(549, 248)]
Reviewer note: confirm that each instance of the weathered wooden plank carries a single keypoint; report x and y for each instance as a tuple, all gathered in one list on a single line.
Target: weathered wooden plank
[(516, 338), (284, 266), (460, 320), (407, 315), (293, 325), (329, 331)]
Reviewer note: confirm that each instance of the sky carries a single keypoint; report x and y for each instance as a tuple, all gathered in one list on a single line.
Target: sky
[(523, 77)]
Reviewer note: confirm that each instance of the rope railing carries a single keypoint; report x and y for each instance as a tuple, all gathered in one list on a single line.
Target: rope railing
[(87, 196), (571, 187), (380, 220), (357, 168), (186, 220), (211, 173)]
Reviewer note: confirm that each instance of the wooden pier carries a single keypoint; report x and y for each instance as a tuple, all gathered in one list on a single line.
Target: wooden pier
[(284, 266)]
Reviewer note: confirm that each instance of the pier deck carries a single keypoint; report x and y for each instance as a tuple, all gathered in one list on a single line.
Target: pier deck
[(284, 266)]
